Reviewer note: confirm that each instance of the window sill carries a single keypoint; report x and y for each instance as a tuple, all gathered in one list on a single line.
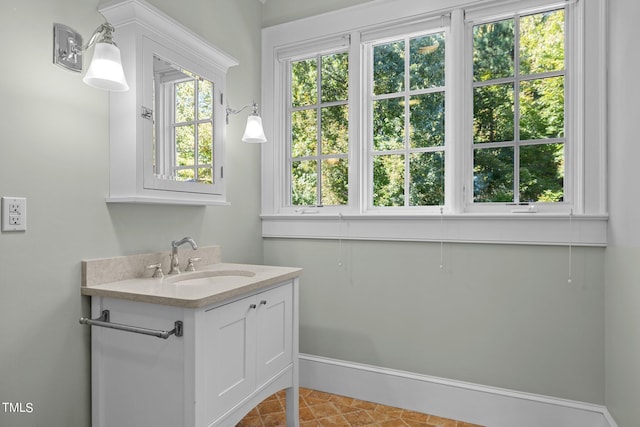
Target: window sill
[(525, 229)]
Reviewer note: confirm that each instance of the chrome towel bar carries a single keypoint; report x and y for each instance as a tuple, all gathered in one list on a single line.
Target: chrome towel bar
[(104, 322)]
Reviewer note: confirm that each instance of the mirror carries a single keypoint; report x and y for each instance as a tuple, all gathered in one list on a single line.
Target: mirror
[(184, 130), (183, 140)]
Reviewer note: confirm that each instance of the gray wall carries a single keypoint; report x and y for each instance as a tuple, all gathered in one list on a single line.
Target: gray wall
[(54, 151), (623, 253), (497, 315)]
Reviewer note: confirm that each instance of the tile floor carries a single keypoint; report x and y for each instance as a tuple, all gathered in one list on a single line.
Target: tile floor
[(318, 409)]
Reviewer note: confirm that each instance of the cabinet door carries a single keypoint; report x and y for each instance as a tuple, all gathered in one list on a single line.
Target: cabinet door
[(274, 331), (229, 363)]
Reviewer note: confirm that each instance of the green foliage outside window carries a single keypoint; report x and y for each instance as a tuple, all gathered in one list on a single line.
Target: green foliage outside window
[(525, 159), (518, 118), (320, 130), (408, 163)]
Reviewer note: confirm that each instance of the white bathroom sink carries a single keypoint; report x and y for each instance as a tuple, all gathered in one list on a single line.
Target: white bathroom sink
[(207, 277)]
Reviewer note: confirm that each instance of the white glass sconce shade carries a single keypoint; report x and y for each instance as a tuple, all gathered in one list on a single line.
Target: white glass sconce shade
[(254, 132), (105, 71)]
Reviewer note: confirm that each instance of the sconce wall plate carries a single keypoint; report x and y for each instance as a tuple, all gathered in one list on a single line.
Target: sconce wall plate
[(67, 45), (105, 70)]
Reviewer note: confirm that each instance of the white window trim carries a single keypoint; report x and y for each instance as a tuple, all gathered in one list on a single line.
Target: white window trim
[(574, 116), (327, 47), (583, 224), (432, 25)]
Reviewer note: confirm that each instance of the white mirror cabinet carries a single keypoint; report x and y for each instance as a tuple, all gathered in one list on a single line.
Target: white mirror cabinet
[(167, 132)]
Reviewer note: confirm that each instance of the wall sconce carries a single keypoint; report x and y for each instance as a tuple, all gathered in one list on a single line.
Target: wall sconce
[(105, 70), (253, 132)]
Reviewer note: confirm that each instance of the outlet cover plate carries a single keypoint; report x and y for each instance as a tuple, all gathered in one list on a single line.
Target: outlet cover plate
[(14, 214)]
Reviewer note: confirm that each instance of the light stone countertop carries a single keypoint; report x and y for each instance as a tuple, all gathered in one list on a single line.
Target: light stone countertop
[(198, 292), (128, 277)]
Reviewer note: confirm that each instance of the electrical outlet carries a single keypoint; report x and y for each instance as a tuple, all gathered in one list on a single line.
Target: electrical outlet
[(14, 208), (14, 214)]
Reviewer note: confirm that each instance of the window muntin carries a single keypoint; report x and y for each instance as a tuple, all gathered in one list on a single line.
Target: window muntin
[(519, 137), (318, 115), (407, 111)]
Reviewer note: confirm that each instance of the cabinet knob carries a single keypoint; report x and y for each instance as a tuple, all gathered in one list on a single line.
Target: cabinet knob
[(263, 302), (252, 306)]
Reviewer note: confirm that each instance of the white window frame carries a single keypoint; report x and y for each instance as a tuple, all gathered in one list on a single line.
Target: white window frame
[(283, 59), (574, 117), (341, 46), (583, 221), (369, 39)]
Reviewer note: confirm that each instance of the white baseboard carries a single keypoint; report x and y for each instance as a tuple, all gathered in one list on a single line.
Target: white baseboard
[(473, 403)]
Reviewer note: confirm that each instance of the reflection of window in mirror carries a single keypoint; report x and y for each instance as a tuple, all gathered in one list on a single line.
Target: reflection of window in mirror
[(183, 131)]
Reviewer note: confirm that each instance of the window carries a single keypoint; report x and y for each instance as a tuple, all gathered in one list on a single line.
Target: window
[(437, 116), (319, 119), (519, 109), (407, 137)]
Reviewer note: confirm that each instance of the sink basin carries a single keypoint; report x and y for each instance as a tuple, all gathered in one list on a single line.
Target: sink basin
[(207, 277)]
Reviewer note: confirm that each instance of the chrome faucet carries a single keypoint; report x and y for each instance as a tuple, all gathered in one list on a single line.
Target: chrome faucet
[(175, 264)]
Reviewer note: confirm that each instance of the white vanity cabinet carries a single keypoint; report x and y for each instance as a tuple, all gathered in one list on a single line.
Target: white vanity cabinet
[(246, 343), (232, 355)]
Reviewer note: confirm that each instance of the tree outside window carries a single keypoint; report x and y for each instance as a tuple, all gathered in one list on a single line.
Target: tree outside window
[(408, 121), (319, 120), (517, 148), (519, 109)]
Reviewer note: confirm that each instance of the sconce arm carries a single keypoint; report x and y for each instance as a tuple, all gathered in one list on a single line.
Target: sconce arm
[(106, 30), (254, 111)]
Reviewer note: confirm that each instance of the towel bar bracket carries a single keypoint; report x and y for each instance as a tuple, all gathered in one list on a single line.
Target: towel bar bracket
[(104, 321)]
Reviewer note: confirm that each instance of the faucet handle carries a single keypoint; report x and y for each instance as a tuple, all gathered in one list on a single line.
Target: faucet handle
[(157, 273), (190, 266)]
